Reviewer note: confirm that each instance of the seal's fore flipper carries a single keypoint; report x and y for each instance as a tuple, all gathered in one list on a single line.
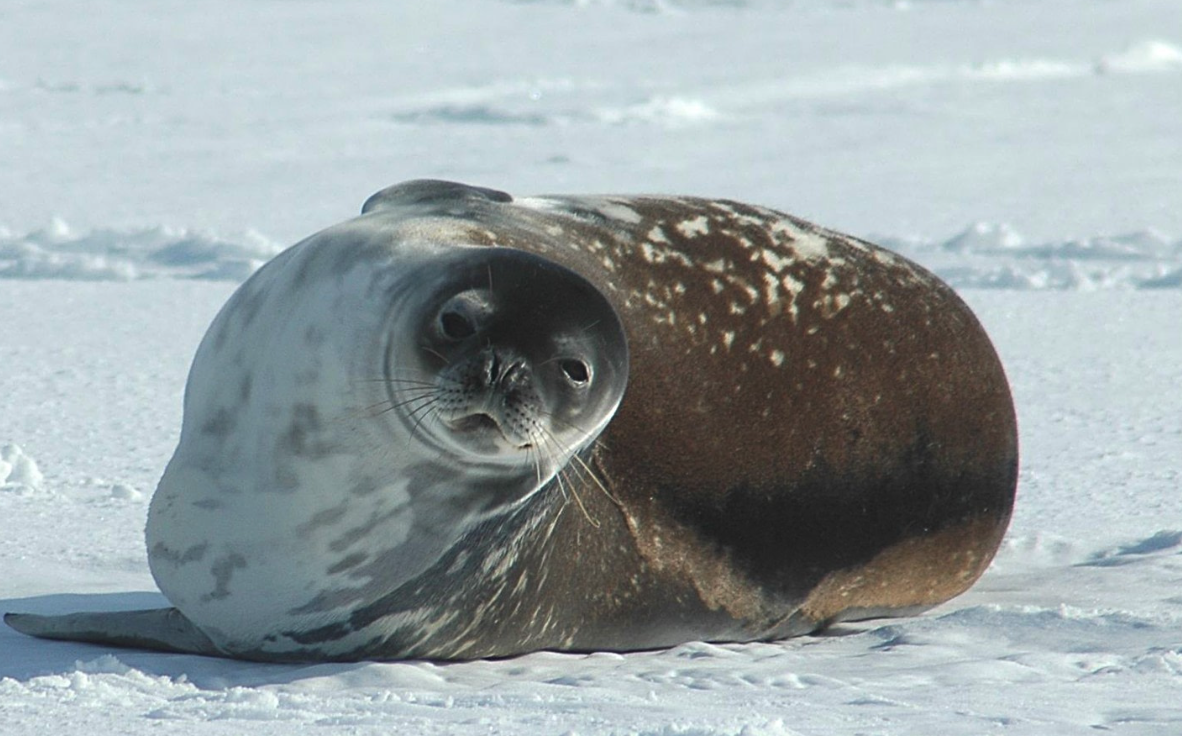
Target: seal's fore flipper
[(164, 629)]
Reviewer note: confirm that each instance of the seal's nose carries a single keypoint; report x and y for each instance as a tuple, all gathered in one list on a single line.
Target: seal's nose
[(516, 376), (502, 370)]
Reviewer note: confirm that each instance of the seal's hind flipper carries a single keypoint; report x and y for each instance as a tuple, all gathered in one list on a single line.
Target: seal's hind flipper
[(163, 629)]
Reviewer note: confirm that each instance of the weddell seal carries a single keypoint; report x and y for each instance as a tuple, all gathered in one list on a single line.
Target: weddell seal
[(470, 425)]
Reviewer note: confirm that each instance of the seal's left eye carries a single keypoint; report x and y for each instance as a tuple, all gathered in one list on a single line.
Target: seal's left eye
[(576, 371), (456, 326)]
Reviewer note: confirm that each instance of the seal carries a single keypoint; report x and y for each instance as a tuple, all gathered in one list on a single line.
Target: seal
[(469, 425)]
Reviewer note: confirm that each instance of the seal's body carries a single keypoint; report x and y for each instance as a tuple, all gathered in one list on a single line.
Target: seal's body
[(404, 437)]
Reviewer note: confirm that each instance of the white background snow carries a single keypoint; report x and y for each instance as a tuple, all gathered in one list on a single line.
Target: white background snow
[(1030, 151)]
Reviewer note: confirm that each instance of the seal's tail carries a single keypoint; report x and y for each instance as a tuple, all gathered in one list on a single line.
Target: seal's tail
[(163, 629)]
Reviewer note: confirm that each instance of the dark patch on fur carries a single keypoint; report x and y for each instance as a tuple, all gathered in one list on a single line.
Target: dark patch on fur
[(223, 571), (325, 517), (331, 632), (220, 424), (350, 561), (314, 336), (303, 435), (192, 554), (365, 486)]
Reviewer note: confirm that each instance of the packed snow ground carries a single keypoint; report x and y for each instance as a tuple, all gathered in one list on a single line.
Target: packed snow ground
[(153, 154)]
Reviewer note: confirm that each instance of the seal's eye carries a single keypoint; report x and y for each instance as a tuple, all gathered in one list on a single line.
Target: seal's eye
[(576, 371), (456, 326)]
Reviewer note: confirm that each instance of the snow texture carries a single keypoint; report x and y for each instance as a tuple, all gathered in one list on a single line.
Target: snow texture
[(153, 154)]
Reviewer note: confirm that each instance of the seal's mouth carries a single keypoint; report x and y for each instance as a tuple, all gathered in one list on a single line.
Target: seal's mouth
[(476, 423), (484, 425)]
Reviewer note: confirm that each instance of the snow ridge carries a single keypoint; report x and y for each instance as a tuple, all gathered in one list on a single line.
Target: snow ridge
[(127, 254), (994, 256), (984, 255), (570, 101)]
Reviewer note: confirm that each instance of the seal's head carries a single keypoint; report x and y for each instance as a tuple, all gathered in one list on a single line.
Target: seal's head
[(517, 362)]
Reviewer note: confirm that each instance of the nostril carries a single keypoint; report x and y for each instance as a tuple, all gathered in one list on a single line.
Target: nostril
[(513, 374), (493, 368)]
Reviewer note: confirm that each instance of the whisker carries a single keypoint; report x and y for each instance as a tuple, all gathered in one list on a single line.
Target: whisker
[(423, 412), (549, 438), (593, 324), (436, 353), (563, 484), (554, 419), (586, 514), (388, 406), (591, 473), (576, 459), (533, 455), (415, 406), (414, 381)]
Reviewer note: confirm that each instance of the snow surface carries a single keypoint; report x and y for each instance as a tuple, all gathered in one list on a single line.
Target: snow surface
[(152, 154)]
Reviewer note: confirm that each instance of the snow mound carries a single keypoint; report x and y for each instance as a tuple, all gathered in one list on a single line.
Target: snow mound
[(124, 492), (18, 471), (1141, 58), (981, 236), (540, 102), (1166, 541), (471, 114), (1145, 56), (1022, 69), (107, 88), (111, 254), (669, 112), (995, 256)]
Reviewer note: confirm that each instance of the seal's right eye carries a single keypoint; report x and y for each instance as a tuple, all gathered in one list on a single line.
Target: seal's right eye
[(576, 371), (456, 326)]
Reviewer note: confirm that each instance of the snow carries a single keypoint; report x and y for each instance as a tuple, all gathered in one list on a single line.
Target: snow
[(153, 154), (105, 254), (18, 471)]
